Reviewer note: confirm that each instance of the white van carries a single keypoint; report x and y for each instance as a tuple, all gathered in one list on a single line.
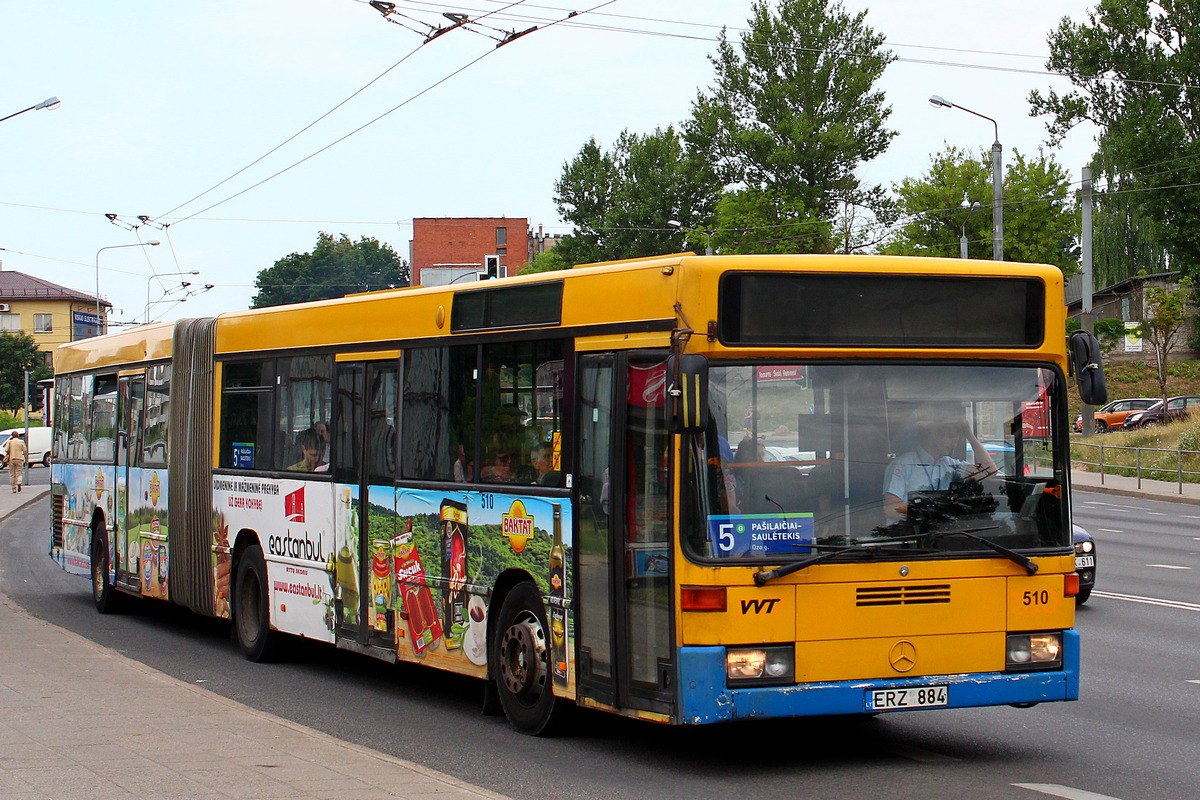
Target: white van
[(38, 444)]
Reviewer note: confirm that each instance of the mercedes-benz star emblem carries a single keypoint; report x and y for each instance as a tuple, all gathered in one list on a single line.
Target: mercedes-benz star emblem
[(903, 656)]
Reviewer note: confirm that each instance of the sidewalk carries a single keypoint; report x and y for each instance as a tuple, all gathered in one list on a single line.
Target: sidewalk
[(66, 731), (1128, 487)]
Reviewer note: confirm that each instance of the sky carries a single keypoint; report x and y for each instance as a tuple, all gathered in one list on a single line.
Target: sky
[(164, 101)]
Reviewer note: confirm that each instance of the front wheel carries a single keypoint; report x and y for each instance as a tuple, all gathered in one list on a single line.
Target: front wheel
[(521, 664), (1101, 426), (46, 460), (251, 612), (103, 593), (1083, 596)]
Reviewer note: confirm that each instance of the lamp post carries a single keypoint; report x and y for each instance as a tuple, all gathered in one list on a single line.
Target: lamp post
[(997, 178), (962, 240), (49, 104), (99, 312), (708, 251), (162, 275)]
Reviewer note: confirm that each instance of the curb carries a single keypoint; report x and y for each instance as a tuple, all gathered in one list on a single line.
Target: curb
[(1140, 494)]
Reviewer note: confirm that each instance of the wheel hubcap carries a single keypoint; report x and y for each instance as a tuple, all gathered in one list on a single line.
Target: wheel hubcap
[(523, 658)]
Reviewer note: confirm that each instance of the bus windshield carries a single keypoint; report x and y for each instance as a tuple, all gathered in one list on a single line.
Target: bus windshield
[(881, 459)]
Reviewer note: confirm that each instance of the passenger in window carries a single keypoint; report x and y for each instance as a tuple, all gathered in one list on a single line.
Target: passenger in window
[(543, 462), (464, 470), (750, 450), (311, 448), (929, 466), (500, 470)]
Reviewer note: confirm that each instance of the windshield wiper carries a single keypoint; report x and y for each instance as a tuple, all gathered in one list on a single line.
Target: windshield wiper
[(761, 578), (929, 537)]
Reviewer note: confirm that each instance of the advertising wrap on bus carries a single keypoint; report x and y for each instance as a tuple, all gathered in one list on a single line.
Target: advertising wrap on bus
[(433, 557)]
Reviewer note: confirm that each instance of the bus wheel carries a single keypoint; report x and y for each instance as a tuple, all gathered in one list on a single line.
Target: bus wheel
[(103, 593), (521, 664), (251, 614)]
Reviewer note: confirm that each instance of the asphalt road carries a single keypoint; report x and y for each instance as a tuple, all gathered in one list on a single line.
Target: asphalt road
[(1134, 735)]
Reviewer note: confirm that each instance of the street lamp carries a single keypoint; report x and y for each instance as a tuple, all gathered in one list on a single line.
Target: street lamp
[(997, 178), (962, 240), (99, 312), (163, 275), (49, 104), (708, 251)]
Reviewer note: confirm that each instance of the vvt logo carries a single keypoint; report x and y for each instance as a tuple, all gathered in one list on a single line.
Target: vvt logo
[(293, 506), (759, 606)]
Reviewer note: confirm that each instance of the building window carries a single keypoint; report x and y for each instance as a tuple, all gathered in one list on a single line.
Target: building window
[(501, 237), (501, 251), (43, 323), (10, 322)]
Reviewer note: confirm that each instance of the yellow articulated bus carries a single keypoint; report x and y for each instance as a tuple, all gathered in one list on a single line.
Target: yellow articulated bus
[(686, 489)]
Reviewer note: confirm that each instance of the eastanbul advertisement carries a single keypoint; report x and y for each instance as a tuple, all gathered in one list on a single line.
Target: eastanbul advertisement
[(295, 524)]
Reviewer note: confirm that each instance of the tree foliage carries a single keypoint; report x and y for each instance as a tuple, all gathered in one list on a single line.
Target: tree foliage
[(335, 268), (1166, 311), (794, 112), (621, 200), (1040, 223), (19, 352), (1133, 64)]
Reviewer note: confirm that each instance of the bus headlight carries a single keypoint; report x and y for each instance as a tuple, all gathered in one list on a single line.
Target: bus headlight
[(1030, 651), (761, 666)]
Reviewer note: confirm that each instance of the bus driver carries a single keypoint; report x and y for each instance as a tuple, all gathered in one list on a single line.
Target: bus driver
[(929, 466)]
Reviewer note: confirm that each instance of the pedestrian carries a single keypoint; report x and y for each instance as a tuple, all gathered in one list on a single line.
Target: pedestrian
[(16, 461)]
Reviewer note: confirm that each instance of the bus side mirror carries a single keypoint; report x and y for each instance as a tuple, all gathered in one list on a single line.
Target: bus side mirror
[(1088, 366), (687, 393)]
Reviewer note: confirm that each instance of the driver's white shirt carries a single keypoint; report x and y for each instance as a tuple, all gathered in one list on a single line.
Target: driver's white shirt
[(919, 471)]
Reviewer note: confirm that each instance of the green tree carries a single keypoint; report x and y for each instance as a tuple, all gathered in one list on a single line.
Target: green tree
[(1166, 311), (335, 268), (794, 111), (1133, 64), (621, 200), (19, 352), (1040, 223), (548, 261), (763, 221)]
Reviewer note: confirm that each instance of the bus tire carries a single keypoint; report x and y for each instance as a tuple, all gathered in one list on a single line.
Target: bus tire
[(521, 664), (251, 607), (103, 593)]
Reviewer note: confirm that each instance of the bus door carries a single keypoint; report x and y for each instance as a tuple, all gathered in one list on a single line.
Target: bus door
[(624, 545), (130, 392), (364, 457)]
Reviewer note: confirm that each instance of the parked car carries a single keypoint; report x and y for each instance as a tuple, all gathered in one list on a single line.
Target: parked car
[(1179, 408), (1113, 416), (1085, 564), (38, 445)]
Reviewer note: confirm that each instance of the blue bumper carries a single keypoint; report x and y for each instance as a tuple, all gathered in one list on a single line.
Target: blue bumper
[(705, 698)]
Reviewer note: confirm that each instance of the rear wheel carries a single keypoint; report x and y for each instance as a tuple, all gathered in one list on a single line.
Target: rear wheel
[(251, 612), (521, 664), (103, 593)]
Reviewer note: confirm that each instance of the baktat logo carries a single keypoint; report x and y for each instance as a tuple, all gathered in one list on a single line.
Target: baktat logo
[(517, 526)]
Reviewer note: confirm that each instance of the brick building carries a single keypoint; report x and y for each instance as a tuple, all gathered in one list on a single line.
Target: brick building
[(447, 249)]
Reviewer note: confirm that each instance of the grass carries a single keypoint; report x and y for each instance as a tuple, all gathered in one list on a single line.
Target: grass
[(1164, 446)]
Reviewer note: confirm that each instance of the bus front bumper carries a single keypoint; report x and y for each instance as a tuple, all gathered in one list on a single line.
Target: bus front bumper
[(704, 696)]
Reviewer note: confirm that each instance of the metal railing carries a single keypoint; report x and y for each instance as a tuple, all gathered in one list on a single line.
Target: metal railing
[(1155, 469)]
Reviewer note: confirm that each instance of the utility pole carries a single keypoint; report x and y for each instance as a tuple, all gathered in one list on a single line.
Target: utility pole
[(1085, 318)]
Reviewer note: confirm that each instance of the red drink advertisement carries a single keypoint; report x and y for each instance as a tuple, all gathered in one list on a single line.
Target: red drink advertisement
[(424, 627)]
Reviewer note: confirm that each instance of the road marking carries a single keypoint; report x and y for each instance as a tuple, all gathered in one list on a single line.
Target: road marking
[(1109, 530), (1067, 792), (1115, 505), (1166, 566), (1193, 681), (1155, 514), (1150, 601), (1189, 516)]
